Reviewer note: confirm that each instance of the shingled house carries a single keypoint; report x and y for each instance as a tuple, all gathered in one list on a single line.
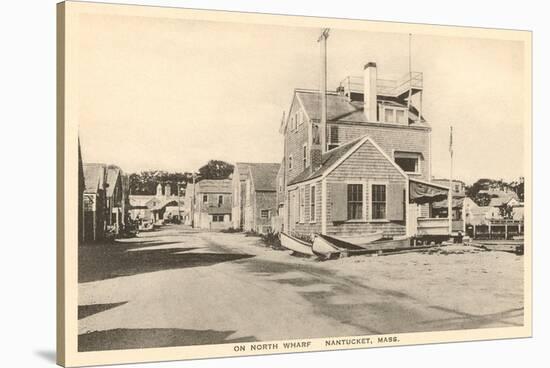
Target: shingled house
[(363, 165), (105, 201), (212, 204), (254, 196)]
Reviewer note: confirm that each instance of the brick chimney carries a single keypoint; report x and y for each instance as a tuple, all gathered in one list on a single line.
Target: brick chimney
[(369, 91), (315, 148)]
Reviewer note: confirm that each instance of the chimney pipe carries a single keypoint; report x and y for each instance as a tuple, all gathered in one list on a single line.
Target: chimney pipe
[(369, 91)]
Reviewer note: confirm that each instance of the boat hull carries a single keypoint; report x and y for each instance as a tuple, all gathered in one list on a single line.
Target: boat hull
[(296, 245), (362, 240), (346, 248), (324, 248)]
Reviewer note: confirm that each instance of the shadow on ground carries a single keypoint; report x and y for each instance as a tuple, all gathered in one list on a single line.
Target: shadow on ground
[(91, 309), (382, 310), (47, 355), (120, 338), (106, 261)]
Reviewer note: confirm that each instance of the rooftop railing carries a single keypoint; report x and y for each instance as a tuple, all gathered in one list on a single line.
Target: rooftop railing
[(387, 87)]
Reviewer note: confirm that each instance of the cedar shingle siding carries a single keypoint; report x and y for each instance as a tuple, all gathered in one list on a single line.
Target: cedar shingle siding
[(392, 138), (366, 166)]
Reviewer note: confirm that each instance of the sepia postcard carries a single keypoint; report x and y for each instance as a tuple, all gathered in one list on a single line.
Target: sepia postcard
[(236, 184)]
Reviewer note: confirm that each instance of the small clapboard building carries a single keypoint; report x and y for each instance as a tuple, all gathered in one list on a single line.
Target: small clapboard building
[(212, 204), (254, 196)]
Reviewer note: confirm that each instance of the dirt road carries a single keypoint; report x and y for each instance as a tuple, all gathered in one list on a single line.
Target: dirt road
[(179, 287)]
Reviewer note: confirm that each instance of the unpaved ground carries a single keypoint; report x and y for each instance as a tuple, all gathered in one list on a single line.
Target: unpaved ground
[(180, 287)]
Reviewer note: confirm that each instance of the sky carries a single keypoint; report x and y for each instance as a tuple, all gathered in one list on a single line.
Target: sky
[(170, 94)]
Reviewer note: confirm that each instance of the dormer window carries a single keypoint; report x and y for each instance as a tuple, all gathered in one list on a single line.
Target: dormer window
[(392, 114)]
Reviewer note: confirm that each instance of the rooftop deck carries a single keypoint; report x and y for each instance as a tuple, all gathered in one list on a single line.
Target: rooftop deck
[(385, 87)]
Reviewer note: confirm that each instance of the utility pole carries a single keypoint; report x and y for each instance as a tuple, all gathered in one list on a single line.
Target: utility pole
[(193, 203), (450, 200), (410, 78), (323, 126)]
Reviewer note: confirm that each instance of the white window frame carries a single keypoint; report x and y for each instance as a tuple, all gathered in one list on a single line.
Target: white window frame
[(416, 155), (302, 204), (312, 204), (262, 216), (330, 144), (364, 200), (371, 184), (394, 114)]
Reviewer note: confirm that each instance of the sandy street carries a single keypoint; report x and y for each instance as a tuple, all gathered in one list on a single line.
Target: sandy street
[(178, 287)]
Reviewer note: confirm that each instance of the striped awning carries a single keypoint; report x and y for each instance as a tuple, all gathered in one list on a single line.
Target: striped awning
[(423, 192)]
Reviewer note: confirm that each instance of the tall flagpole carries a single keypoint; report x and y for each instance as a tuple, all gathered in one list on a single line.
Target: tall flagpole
[(323, 126), (450, 200)]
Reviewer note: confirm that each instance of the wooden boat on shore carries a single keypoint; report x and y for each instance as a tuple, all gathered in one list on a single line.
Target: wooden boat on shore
[(363, 239), (330, 247), (296, 245)]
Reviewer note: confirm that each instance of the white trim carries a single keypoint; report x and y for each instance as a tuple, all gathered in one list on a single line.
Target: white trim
[(363, 184), (410, 154), (346, 156), (407, 232), (302, 105), (395, 109), (324, 206), (388, 158), (313, 188), (302, 210), (304, 152), (378, 182)]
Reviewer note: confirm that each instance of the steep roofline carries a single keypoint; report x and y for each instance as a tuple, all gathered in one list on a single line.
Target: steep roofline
[(342, 159)]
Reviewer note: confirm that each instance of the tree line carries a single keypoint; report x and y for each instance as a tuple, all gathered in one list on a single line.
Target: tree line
[(477, 191), (145, 182)]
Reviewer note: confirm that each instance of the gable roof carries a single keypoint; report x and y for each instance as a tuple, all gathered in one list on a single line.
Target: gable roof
[(333, 157), (242, 169), (340, 108), (214, 186), (113, 173), (264, 176), (500, 201), (94, 176)]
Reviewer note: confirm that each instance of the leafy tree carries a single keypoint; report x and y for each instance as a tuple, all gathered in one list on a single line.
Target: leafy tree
[(145, 182), (216, 169), (518, 187)]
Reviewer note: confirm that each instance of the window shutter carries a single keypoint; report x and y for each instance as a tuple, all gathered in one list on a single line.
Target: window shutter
[(395, 197), (339, 202)]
